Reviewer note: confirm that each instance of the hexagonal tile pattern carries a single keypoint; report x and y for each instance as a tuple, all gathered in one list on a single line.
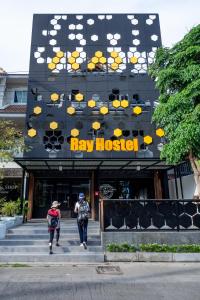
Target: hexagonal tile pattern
[(96, 125), (74, 132), (117, 132), (53, 125), (32, 132)]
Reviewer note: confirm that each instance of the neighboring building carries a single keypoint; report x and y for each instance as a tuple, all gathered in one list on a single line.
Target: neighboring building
[(88, 84), (13, 99)]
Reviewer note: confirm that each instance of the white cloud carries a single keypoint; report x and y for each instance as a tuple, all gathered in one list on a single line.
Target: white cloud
[(176, 18)]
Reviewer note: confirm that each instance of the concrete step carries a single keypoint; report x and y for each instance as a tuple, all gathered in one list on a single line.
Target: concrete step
[(69, 243), (45, 248), (66, 236), (45, 230), (91, 257)]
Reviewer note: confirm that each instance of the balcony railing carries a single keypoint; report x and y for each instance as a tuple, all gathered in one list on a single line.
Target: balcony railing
[(149, 215)]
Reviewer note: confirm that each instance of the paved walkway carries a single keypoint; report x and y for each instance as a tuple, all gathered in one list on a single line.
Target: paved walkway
[(140, 281)]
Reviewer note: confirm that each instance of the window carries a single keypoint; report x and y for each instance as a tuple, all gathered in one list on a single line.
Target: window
[(20, 97)]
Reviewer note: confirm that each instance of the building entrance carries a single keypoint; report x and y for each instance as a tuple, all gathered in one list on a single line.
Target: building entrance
[(64, 191)]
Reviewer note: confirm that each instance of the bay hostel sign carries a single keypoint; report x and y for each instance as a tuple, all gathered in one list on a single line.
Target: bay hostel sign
[(100, 144), (89, 90)]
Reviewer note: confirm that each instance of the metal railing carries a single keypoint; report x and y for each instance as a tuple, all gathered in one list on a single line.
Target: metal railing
[(149, 215)]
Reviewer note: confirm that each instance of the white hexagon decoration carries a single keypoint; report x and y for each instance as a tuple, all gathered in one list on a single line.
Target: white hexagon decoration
[(152, 17), (79, 17), (94, 38), (72, 27), (79, 27), (57, 27), (53, 32), (101, 17), (59, 67), (83, 42), (109, 36), (135, 32), (134, 21), (136, 42), (154, 37), (109, 17), (79, 36), (113, 42), (53, 42), (130, 17), (149, 22), (37, 54), (71, 36), (53, 22), (40, 60), (90, 21), (117, 36)]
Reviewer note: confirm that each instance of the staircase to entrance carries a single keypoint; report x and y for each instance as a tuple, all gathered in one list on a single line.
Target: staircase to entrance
[(28, 243)]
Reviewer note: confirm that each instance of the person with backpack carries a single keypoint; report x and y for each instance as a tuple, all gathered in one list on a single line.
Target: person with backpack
[(53, 218), (82, 209)]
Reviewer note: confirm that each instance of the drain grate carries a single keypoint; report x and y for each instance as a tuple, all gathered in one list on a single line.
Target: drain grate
[(109, 270)]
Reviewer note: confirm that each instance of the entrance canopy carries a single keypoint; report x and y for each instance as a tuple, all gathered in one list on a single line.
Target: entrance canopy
[(92, 164)]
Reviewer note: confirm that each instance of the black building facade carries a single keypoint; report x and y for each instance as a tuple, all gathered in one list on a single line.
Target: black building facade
[(90, 104)]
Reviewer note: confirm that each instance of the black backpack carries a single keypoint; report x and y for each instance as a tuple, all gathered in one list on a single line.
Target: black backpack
[(83, 212), (52, 221)]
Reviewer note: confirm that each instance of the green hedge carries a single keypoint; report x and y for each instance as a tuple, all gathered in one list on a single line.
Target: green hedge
[(125, 247)]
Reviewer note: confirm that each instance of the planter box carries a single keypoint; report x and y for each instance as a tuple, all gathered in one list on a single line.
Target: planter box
[(2, 230), (11, 222), (194, 257), (151, 257), (121, 256), (155, 256)]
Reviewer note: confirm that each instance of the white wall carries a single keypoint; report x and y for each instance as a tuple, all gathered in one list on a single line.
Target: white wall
[(188, 187)]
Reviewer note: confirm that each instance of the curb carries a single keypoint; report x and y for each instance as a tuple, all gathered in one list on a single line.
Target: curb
[(151, 257)]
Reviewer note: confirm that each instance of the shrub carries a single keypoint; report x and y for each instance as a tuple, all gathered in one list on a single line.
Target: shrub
[(125, 247), (10, 208)]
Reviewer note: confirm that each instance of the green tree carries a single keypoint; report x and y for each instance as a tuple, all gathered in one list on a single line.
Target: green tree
[(176, 71), (11, 142)]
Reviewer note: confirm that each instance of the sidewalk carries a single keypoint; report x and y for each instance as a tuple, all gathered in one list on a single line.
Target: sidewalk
[(139, 281)]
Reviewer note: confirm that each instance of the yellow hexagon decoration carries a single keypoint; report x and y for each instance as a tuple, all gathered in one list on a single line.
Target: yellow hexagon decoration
[(75, 66), (102, 60), (54, 97), (60, 54), (51, 66), (134, 60), (37, 110), (32, 132), (91, 103), (117, 132), (114, 54), (56, 60), (124, 103), (137, 110), (104, 110), (91, 66), (79, 97), (116, 103), (74, 132), (148, 139), (53, 125), (95, 60), (98, 54), (160, 132), (71, 60), (71, 110), (118, 60), (96, 125), (114, 66), (75, 54)]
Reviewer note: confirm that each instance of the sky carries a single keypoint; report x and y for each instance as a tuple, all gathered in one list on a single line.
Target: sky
[(177, 17)]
